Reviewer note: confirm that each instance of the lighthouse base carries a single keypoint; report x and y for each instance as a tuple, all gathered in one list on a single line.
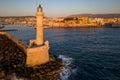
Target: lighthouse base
[(38, 54)]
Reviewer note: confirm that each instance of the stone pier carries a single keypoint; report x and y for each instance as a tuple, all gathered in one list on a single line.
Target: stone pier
[(13, 62)]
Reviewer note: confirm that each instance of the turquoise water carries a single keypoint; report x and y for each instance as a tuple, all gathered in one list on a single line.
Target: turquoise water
[(87, 53)]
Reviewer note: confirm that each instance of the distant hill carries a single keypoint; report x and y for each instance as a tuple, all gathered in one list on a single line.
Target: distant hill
[(96, 15), (116, 15)]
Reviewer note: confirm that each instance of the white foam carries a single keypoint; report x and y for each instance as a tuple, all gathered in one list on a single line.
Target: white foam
[(13, 77), (68, 69)]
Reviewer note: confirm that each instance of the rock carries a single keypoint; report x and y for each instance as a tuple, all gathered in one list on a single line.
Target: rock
[(1, 56), (2, 74)]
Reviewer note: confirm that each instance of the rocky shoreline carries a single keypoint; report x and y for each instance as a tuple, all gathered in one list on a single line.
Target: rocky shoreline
[(12, 64)]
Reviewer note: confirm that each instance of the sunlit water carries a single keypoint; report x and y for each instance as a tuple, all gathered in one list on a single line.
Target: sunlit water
[(87, 53)]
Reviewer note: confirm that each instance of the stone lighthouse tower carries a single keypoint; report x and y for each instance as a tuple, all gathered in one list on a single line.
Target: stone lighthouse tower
[(38, 50), (39, 26)]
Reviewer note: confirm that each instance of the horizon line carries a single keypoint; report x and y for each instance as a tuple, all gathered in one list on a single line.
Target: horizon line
[(62, 16)]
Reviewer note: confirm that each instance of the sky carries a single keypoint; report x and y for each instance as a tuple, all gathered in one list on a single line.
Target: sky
[(58, 8)]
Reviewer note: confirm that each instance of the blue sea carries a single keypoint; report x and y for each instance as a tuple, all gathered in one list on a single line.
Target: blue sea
[(87, 53)]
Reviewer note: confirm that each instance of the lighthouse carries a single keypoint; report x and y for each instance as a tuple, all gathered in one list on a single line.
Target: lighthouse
[(39, 26), (38, 50)]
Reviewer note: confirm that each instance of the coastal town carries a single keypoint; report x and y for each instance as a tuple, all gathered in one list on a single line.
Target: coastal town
[(83, 20)]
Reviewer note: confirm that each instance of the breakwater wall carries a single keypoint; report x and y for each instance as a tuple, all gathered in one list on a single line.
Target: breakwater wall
[(19, 43)]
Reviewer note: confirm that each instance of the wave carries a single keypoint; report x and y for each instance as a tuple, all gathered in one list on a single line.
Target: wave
[(68, 68)]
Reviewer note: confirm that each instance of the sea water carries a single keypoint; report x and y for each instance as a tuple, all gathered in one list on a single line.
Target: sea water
[(87, 53)]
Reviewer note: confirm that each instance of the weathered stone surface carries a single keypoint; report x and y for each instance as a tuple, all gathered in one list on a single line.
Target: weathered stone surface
[(2, 74), (12, 61), (37, 55)]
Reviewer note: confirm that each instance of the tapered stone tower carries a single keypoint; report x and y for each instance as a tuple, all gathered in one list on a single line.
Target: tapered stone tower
[(39, 26)]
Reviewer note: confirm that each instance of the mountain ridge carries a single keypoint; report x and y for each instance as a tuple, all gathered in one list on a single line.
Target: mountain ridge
[(109, 15)]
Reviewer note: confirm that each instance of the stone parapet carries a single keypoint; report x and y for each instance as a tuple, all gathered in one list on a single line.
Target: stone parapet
[(19, 43)]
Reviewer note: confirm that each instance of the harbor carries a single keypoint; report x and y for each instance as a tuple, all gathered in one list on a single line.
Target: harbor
[(59, 40)]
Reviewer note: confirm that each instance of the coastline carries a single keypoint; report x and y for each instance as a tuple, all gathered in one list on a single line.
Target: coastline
[(85, 27)]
